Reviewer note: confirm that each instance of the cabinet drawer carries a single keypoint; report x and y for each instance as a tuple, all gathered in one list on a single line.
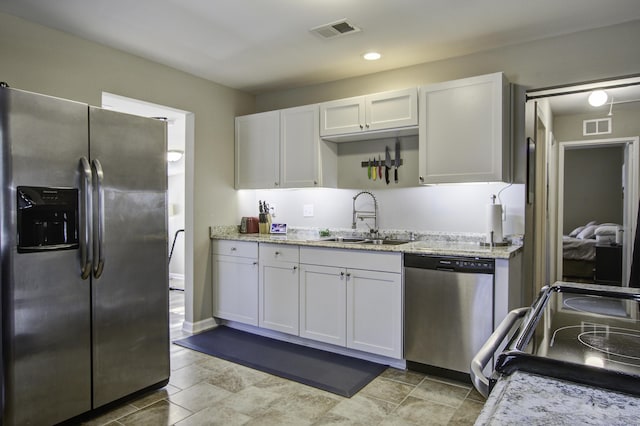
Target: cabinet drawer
[(349, 258), (235, 248), (279, 252)]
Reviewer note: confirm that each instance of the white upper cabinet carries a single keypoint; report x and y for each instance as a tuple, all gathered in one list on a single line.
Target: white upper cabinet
[(465, 131), (300, 147), (386, 114), (257, 151), (282, 149)]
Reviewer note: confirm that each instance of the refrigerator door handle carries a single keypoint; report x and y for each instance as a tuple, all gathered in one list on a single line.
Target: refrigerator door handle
[(85, 221), (98, 221)]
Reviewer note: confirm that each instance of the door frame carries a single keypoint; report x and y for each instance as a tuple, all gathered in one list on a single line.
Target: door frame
[(631, 186)]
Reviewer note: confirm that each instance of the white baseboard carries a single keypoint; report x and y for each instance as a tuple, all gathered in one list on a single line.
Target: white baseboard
[(198, 326)]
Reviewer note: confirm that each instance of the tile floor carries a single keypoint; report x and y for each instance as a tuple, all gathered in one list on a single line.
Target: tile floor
[(204, 390)]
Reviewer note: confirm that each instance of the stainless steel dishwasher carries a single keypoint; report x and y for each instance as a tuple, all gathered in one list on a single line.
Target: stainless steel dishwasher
[(448, 311)]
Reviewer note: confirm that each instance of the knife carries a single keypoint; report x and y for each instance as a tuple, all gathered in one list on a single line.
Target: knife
[(387, 164), (369, 168), (379, 168), (374, 169), (397, 160)]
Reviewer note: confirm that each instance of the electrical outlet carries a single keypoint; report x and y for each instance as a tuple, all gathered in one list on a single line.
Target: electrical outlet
[(272, 210), (307, 210)]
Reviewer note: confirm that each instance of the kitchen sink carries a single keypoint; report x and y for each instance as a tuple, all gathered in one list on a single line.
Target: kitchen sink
[(345, 240), (386, 242)]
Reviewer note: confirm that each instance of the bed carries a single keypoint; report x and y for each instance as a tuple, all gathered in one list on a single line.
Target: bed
[(579, 249)]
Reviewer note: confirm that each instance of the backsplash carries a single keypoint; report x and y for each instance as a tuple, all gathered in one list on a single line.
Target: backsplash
[(440, 209)]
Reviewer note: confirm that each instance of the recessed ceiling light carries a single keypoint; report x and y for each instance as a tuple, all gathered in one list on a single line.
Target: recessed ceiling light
[(371, 56), (598, 98)]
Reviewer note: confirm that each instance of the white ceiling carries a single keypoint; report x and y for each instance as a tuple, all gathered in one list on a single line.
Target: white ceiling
[(263, 45)]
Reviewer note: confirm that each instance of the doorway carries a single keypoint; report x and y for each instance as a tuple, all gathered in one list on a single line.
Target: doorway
[(566, 114), (179, 139), (611, 199)]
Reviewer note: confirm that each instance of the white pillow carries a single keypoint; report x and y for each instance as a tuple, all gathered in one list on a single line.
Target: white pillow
[(576, 231), (587, 232), (607, 229)]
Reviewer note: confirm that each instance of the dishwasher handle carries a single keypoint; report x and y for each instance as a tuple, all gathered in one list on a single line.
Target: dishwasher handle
[(484, 355)]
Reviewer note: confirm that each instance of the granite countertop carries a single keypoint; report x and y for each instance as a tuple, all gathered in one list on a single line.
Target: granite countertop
[(433, 243), (525, 398)]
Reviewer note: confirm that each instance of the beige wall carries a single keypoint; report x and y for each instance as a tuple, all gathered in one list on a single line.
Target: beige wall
[(588, 55), (625, 121), (42, 60), (592, 186), (38, 59)]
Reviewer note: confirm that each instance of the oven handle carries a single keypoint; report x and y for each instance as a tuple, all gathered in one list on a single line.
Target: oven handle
[(484, 355)]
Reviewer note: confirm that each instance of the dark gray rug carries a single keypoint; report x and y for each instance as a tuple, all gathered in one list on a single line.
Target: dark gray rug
[(332, 372)]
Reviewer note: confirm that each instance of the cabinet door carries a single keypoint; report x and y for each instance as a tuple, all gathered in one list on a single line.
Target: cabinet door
[(299, 147), (257, 151), (235, 289), (464, 132), (278, 296), (323, 304), (374, 312), (390, 110), (342, 116)]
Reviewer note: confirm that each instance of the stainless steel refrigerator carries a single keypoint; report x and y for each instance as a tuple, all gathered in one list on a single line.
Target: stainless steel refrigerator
[(83, 257)]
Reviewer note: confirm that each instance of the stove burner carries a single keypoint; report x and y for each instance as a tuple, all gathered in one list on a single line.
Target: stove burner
[(621, 345), (596, 305)]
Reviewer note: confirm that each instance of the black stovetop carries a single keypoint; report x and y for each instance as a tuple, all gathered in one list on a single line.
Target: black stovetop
[(588, 334)]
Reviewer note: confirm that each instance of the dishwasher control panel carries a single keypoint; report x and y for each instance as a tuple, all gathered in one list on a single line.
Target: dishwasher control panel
[(454, 264)]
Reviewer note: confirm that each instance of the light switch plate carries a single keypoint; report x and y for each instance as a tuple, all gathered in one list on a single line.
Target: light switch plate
[(307, 210)]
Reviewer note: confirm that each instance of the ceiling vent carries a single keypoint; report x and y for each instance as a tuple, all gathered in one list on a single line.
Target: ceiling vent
[(598, 126), (335, 29)]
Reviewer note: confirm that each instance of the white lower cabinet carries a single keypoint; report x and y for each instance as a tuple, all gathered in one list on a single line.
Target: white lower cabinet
[(345, 306), (323, 304), (348, 298), (374, 312), (235, 281), (278, 288)]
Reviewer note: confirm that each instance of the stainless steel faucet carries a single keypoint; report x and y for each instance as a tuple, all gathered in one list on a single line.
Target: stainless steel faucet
[(365, 214)]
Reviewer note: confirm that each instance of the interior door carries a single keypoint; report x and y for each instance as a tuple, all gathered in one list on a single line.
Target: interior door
[(130, 290)]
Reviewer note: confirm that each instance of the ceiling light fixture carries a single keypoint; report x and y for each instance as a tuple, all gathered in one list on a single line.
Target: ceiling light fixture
[(372, 56), (174, 155), (598, 98)]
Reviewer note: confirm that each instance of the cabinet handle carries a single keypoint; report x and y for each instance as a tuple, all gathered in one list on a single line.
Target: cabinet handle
[(295, 268), (348, 274), (276, 183), (233, 249), (315, 182), (367, 125), (421, 179), (255, 263), (277, 253), (342, 274), (361, 127)]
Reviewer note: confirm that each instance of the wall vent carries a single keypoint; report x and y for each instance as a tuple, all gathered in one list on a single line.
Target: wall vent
[(597, 126), (335, 29)]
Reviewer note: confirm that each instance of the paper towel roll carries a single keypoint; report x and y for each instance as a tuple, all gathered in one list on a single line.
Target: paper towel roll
[(494, 223)]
